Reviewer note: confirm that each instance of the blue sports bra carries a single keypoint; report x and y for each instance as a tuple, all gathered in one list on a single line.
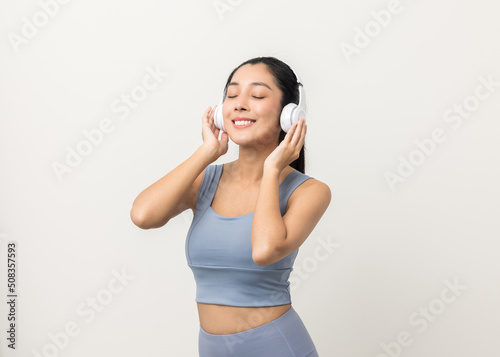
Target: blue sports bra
[(218, 251)]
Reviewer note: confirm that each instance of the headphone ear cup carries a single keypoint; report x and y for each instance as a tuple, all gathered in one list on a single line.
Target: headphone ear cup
[(288, 116), (219, 118)]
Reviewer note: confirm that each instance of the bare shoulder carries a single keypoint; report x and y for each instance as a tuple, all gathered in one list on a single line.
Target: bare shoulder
[(306, 205), (312, 191)]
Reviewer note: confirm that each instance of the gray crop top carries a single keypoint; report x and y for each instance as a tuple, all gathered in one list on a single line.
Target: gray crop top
[(218, 251)]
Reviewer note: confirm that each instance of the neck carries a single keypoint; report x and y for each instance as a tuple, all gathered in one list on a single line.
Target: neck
[(249, 167)]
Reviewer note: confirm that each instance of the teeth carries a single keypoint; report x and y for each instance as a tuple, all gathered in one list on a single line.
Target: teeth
[(243, 122)]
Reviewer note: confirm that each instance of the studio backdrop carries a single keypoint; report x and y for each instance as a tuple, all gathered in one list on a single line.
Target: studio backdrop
[(99, 99)]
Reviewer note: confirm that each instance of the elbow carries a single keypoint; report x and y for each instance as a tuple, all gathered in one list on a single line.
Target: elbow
[(263, 257), (137, 218), (140, 218), (260, 260)]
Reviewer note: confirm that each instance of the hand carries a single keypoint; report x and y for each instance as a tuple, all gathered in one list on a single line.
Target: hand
[(210, 134), (289, 149)]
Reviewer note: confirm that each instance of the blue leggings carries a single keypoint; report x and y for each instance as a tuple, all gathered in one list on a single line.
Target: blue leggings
[(285, 336)]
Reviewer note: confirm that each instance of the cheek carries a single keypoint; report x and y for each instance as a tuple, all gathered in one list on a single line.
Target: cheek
[(226, 110), (271, 110)]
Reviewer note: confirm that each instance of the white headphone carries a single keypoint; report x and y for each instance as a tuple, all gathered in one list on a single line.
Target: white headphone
[(289, 115)]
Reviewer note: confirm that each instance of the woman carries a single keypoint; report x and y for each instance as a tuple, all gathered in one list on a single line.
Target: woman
[(250, 216)]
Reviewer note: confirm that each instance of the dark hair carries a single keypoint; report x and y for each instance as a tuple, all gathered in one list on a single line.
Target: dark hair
[(287, 83)]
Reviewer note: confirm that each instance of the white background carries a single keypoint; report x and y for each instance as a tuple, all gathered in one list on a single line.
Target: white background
[(396, 247)]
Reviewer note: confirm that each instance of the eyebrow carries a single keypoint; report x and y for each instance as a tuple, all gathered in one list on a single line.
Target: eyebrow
[(253, 84)]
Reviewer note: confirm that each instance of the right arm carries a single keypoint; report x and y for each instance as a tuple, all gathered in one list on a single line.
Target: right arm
[(177, 191)]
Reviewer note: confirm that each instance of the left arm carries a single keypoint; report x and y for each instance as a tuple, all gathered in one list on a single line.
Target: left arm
[(274, 237)]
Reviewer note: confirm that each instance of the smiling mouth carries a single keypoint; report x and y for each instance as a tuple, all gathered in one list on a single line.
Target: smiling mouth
[(243, 123)]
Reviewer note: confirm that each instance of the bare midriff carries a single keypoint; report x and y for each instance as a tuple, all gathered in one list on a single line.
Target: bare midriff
[(223, 319)]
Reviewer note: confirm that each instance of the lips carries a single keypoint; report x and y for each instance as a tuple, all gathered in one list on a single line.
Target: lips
[(243, 122), (243, 119)]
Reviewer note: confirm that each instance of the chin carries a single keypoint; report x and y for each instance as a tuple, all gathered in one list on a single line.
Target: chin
[(257, 143)]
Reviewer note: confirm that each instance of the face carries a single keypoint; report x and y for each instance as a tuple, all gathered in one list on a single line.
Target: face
[(252, 96)]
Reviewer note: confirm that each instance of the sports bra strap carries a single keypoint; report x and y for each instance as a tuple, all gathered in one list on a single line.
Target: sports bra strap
[(208, 187), (291, 182)]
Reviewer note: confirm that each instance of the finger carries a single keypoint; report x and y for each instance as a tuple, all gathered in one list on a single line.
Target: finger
[(296, 134), (206, 114), (303, 135), (290, 133)]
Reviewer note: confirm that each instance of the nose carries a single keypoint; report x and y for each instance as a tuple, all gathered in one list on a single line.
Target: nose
[(239, 107), (241, 104)]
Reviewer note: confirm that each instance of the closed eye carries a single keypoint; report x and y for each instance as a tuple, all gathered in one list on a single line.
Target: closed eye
[(233, 96)]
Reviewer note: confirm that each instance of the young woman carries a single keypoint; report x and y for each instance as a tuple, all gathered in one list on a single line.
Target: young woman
[(251, 216)]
